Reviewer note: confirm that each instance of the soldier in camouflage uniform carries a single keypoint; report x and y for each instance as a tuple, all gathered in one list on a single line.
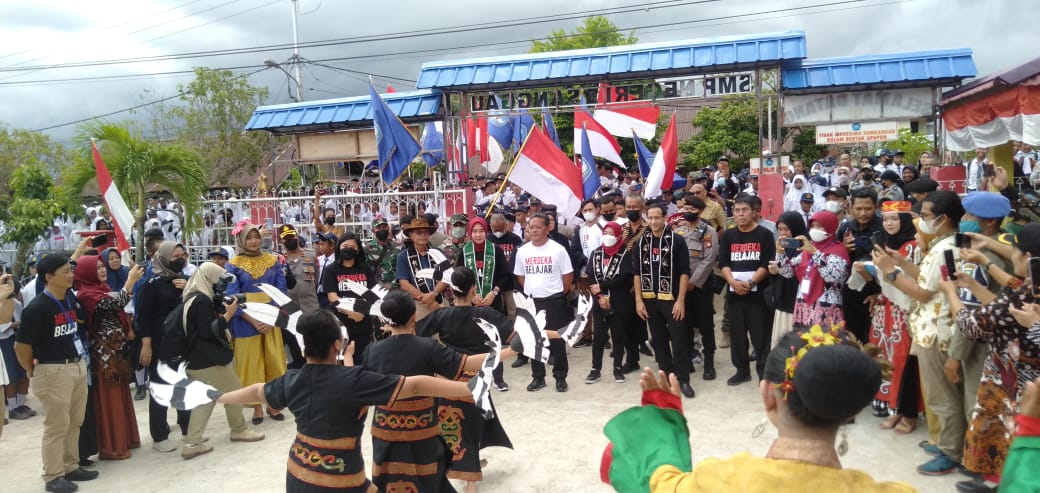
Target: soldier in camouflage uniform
[(382, 253)]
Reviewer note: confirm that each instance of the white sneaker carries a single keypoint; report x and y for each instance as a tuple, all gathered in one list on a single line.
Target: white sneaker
[(165, 446)]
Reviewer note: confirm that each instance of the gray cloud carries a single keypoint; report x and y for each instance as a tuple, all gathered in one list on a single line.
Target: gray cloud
[(990, 28)]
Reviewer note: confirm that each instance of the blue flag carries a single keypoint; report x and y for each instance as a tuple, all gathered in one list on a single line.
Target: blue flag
[(433, 145), (549, 126), (522, 124), (646, 158), (396, 145), (500, 128), (589, 177)]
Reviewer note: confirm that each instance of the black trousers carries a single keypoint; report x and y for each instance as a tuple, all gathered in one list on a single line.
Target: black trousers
[(749, 319), (88, 439), (556, 318), (671, 339), (617, 325), (700, 315), (910, 390), (158, 426), (857, 313)]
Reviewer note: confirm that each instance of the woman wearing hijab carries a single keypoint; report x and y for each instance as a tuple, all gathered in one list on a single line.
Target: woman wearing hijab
[(898, 399), (209, 358), (488, 261), (793, 197), (610, 270), (910, 174), (259, 350), (821, 270), (117, 272), (108, 327), (815, 380), (155, 300), (789, 225)]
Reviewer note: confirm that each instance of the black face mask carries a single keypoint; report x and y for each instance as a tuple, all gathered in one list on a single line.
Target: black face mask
[(292, 243), (633, 215), (348, 254), (691, 217), (330, 221), (868, 177), (382, 234), (178, 265), (610, 216)]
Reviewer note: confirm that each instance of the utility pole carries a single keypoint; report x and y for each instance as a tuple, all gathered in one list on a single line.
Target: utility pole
[(296, 60)]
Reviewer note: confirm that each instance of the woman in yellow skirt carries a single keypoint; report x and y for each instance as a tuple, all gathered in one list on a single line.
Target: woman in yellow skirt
[(259, 351)]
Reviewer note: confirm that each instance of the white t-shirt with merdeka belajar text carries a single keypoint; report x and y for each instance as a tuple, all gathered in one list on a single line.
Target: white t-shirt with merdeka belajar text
[(542, 268)]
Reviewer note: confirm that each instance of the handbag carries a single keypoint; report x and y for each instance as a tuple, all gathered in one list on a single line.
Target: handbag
[(773, 292)]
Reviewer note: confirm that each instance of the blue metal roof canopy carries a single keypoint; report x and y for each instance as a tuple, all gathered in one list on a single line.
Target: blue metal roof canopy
[(670, 58), (892, 70), (344, 113)]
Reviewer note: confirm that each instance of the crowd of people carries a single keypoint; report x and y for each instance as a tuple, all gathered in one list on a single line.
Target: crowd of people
[(940, 287)]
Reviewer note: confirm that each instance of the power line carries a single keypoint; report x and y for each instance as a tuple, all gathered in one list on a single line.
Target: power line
[(379, 37), (487, 46)]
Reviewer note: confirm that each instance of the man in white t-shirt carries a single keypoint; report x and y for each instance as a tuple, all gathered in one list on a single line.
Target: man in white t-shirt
[(543, 270)]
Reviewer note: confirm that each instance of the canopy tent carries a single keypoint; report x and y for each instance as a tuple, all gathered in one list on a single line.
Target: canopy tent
[(994, 110)]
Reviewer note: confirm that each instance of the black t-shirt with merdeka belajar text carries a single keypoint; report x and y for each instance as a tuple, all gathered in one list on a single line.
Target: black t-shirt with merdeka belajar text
[(50, 326), (744, 253)]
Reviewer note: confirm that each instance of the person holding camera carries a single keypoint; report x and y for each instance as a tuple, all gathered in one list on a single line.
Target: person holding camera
[(207, 314), (821, 267)]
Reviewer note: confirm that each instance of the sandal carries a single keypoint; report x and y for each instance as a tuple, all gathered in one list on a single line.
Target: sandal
[(891, 422), (906, 426)]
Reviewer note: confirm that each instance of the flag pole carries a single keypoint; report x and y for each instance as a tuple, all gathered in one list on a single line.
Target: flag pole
[(509, 173)]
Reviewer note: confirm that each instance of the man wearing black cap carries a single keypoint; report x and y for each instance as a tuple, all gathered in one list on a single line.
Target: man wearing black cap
[(920, 188), (890, 187), (51, 352), (219, 256), (806, 203)]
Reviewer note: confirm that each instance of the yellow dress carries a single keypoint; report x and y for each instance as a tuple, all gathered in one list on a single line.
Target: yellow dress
[(748, 474)]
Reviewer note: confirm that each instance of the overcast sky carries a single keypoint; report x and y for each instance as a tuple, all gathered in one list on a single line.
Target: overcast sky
[(54, 32)]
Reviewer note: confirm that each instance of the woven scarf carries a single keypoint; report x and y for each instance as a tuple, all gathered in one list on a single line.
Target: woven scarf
[(663, 268), (605, 270), (415, 266), (484, 276)]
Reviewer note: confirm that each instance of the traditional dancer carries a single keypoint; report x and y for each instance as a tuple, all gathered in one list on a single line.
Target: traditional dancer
[(330, 403), (461, 423)]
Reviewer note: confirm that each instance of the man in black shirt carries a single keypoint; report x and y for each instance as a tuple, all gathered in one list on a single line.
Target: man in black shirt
[(662, 267), (855, 233), (52, 354), (744, 255)]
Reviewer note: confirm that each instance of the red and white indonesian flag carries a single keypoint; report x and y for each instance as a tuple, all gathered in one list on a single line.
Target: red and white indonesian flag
[(662, 171), (623, 121), (602, 143), (122, 218), (544, 170), (1013, 114)]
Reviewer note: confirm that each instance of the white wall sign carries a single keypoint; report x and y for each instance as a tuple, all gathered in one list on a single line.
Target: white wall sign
[(852, 133), (857, 106)]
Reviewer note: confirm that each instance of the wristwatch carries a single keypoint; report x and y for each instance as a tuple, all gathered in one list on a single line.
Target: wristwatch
[(891, 276)]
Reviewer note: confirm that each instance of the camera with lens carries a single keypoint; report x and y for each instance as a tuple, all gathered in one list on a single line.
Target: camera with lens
[(219, 298)]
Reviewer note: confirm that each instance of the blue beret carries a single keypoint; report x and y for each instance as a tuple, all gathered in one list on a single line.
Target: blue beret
[(987, 205)]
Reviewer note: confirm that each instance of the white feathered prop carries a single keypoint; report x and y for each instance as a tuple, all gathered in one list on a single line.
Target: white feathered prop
[(369, 301), (480, 385), (572, 332), (285, 315), (530, 328), (182, 393), (440, 270)]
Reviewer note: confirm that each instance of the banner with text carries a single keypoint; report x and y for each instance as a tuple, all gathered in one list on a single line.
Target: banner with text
[(853, 133)]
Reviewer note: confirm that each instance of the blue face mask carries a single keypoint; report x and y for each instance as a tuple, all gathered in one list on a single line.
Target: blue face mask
[(969, 226)]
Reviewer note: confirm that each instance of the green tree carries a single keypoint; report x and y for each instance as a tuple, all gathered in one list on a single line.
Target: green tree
[(910, 143), (215, 109), (20, 147), (594, 32), (33, 206), (138, 166)]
